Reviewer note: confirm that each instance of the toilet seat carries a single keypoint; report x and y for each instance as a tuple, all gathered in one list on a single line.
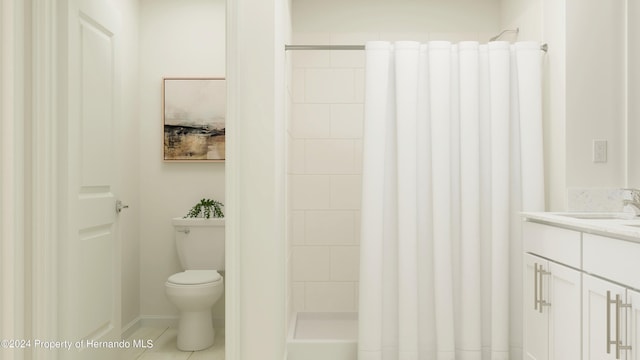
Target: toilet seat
[(194, 277)]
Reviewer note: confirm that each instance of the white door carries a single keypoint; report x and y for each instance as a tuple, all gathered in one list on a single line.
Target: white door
[(599, 319), (536, 319), (89, 298), (565, 326)]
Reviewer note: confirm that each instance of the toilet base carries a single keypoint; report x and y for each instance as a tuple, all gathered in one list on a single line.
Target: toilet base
[(195, 330)]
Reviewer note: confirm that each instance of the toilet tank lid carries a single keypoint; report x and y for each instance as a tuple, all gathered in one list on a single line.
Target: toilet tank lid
[(194, 277), (197, 222)]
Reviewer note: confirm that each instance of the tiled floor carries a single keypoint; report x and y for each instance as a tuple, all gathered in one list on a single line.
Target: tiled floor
[(164, 346)]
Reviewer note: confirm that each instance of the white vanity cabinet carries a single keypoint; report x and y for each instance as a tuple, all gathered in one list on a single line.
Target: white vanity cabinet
[(603, 311), (605, 306), (581, 291), (552, 326), (633, 298), (611, 308), (551, 317)]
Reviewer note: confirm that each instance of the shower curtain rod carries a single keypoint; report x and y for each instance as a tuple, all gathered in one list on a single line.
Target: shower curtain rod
[(543, 47)]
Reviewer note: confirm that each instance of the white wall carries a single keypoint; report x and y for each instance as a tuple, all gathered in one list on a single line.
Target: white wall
[(585, 84), (288, 103), (13, 175), (596, 81), (526, 15), (398, 16), (128, 141), (554, 104), (177, 38), (633, 129), (257, 32)]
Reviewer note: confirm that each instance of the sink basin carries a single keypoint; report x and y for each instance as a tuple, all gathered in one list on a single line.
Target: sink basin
[(598, 216)]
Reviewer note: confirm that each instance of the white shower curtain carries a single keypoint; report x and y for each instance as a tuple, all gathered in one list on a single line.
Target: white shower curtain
[(452, 154)]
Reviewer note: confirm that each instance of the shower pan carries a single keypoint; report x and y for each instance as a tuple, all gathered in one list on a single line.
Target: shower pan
[(323, 335)]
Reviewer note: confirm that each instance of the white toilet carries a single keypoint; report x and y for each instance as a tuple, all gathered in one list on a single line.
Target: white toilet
[(200, 245)]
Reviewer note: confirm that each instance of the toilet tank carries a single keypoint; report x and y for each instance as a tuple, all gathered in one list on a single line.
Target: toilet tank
[(200, 243)]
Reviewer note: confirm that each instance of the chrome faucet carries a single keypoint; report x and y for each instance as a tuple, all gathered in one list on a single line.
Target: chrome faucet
[(631, 201)]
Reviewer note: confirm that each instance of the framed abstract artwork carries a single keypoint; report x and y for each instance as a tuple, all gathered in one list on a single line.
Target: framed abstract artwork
[(193, 116)]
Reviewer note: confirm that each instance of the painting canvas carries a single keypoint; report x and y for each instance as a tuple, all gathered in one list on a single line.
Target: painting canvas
[(194, 112)]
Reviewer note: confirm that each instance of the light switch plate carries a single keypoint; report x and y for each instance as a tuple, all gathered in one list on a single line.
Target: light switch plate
[(599, 151)]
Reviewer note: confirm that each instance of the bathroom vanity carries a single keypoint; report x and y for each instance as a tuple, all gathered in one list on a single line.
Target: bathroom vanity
[(581, 286)]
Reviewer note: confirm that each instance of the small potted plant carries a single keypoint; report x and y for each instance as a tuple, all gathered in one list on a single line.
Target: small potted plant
[(206, 209)]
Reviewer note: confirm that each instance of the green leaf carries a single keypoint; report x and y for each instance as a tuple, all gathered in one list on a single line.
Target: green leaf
[(205, 209)]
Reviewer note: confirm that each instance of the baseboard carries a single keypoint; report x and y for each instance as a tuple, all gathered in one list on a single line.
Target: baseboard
[(158, 321), (130, 328), (148, 321)]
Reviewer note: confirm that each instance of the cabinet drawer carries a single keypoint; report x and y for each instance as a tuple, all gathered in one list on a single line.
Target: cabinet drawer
[(553, 243), (614, 259)]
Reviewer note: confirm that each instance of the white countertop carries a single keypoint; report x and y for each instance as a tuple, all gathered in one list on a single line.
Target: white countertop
[(619, 225)]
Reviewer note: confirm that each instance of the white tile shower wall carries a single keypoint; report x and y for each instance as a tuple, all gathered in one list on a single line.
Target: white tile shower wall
[(325, 156)]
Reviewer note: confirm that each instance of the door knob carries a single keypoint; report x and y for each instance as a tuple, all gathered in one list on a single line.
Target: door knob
[(120, 206)]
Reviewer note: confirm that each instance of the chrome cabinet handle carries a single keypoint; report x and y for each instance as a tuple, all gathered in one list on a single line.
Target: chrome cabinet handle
[(185, 230), (617, 342), (619, 345), (539, 271), (618, 326)]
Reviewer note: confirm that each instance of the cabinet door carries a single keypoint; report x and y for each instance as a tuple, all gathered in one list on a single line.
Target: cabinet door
[(536, 322), (565, 326), (633, 297), (599, 319)]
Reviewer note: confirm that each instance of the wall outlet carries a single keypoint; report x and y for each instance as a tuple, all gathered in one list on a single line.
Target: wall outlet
[(599, 151)]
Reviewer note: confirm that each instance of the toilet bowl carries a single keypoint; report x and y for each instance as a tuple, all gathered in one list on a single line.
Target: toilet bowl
[(194, 292)]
